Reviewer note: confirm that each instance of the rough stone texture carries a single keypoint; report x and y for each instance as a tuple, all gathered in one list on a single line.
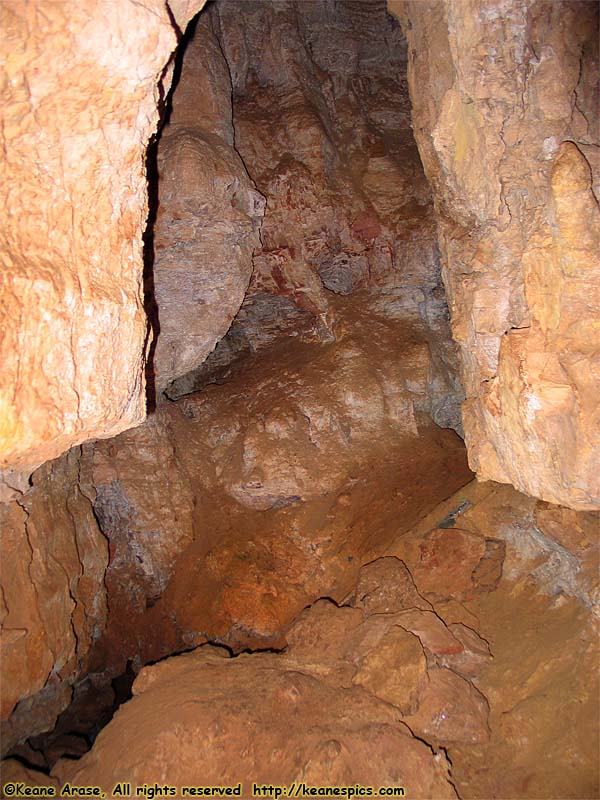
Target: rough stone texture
[(270, 488), (531, 644), (327, 712), (208, 218), (322, 121), (311, 437), (385, 586), (451, 710), (53, 596), (481, 676), (505, 114), (221, 517), (262, 321), (177, 500), (80, 87)]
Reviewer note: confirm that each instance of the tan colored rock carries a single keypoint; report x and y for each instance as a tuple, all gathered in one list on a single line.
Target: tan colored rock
[(53, 595), (504, 108), (577, 532), (475, 656), (255, 718), (451, 710), (396, 671), (80, 90), (290, 436), (431, 630), (144, 505), (386, 586), (167, 551), (208, 217)]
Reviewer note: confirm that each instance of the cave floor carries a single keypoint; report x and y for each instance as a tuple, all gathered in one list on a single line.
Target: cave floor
[(440, 637), (477, 568), (541, 623)]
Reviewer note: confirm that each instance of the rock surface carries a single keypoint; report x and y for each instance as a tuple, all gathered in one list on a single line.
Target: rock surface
[(274, 488), (53, 596), (321, 116), (208, 217), (477, 673), (505, 113), (530, 643), (221, 517), (350, 664), (80, 92), (257, 719)]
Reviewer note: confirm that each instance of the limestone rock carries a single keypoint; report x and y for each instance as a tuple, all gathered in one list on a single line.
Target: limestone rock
[(256, 718), (80, 91), (576, 532), (450, 564), (208, 218), (451, 710), (504, 107), (322, 122), (433, 633), (475, 655), (288, 437), (53, 594), (396, 671), (127, 550), (386, 586)]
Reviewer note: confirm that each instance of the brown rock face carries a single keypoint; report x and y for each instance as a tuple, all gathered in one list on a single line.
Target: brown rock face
[(80, 90), (208, 215), (505, 111), (271, 488), (53, 596), (278, 718), (322, 121), (221, 517)]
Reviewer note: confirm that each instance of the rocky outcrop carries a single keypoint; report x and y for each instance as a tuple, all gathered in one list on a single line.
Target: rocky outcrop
[(330, 708), (470, 633), (322, 121), (208, 217), (505, 110), (221, 517), (54, 606), (80, 93), (255, 511)]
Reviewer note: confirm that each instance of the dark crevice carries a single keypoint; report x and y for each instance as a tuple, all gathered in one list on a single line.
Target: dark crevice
[(152, 177)]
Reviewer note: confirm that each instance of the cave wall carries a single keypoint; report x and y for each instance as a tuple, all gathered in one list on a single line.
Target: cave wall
[(80, 89), (209, 213), (505, 114), (322, 121), (77, 534), (53, 596)]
